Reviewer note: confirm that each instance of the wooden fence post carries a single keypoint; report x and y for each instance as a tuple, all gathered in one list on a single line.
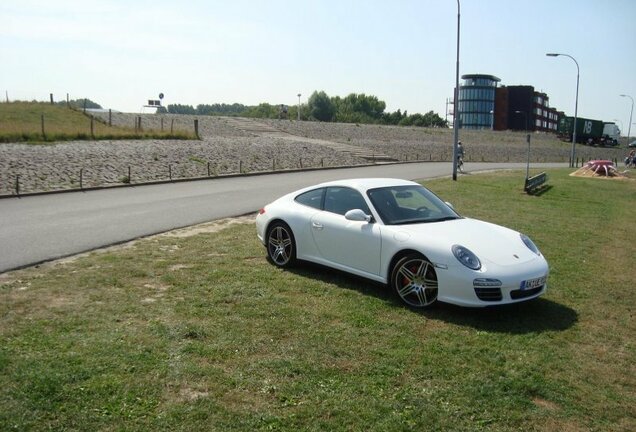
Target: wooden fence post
[(110, 117), (171, 126), (196, 128), (52, 103), (170, 171), (17, 184), (92, 127)]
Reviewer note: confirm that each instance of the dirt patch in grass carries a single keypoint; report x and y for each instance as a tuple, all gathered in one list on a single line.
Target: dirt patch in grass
[(614, 175), (209, 227)]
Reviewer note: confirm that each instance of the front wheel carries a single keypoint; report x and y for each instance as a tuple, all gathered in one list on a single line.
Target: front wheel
[(281, 247), (414, 280)]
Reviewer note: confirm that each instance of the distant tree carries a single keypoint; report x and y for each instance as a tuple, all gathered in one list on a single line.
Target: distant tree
[(412, 120), (79, 103), (321, 107), (263, 110), (293, 112), (181, 109), (393, 118), (221, 109), (359, 108), (430, 119)]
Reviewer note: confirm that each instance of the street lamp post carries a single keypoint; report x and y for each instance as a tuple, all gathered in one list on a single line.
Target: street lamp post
[(576, 103), (299, 106), (525, 117), (629, 128), (456, 107)]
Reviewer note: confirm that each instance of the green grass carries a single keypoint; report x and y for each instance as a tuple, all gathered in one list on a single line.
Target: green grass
[(22, 122), (202, 333)]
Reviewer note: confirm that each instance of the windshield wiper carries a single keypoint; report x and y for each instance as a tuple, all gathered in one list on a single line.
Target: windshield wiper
[(408, 221), (442, 219), (412, 221)]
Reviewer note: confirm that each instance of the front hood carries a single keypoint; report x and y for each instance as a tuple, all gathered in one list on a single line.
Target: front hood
[(490, 242)]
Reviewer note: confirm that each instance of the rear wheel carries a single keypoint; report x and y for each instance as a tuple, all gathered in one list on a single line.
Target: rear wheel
[(281, 247), (414, 280)]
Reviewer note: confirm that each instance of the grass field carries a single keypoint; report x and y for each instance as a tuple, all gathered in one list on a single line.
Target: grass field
[(22, 122), (200, 332)]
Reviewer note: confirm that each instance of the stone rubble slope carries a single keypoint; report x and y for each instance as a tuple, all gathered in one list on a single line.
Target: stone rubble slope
[(228, 144)]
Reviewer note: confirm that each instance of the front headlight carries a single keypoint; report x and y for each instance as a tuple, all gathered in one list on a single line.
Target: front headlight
[(466, 257), (530, 244)]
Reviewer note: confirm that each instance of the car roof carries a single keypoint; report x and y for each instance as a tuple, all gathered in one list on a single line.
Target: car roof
[(364, 184)]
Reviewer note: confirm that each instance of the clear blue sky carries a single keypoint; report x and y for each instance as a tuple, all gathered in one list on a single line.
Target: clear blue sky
[(120, 53)]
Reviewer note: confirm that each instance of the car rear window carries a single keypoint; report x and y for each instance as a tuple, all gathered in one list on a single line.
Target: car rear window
[(313, 198)]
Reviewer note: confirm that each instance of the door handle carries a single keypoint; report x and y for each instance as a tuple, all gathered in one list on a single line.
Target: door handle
[(317, 225)]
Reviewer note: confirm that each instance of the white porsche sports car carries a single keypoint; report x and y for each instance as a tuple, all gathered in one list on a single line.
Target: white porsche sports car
[(399, 233)]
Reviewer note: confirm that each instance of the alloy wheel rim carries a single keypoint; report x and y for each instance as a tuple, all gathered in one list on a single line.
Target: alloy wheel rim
[(280, 245), (416, 283)]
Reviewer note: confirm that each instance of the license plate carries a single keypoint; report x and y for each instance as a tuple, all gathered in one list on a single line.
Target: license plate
[(532, 283)]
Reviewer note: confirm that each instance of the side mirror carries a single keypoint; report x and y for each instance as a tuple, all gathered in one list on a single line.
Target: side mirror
[(357, 215)]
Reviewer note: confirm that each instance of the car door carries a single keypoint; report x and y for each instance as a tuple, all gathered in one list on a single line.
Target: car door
[(346, 244)]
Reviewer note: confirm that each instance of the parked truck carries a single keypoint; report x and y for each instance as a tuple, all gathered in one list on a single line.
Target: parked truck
[(611, 134), (588, 131)]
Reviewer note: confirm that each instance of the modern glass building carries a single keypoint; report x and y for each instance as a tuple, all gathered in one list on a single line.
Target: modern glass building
[(476, 106)]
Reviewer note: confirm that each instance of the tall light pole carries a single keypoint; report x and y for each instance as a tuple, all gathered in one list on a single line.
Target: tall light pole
[(629, 128), (576, 103), (299, 95), (525, 117), (456, 108)]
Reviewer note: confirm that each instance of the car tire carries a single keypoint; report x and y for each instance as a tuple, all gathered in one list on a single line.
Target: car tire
[(281, 245), (414, 281)]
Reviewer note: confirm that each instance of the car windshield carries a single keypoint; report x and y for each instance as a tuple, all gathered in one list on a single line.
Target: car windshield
[(410, 204)]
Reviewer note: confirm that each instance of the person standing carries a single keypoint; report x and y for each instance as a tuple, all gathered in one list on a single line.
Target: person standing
[(460, 156)]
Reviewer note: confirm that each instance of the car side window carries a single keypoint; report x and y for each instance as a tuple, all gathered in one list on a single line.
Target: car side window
[(341, 199), (313, 198)]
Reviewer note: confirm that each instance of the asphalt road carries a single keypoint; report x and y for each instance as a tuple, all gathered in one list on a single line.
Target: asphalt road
[(36, 229)]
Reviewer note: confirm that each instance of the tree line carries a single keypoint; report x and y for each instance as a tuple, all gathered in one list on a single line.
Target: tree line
[(80, 103), (354, 108)]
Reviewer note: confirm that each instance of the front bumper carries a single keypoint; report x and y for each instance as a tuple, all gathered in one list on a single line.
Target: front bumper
[(457, 284)]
